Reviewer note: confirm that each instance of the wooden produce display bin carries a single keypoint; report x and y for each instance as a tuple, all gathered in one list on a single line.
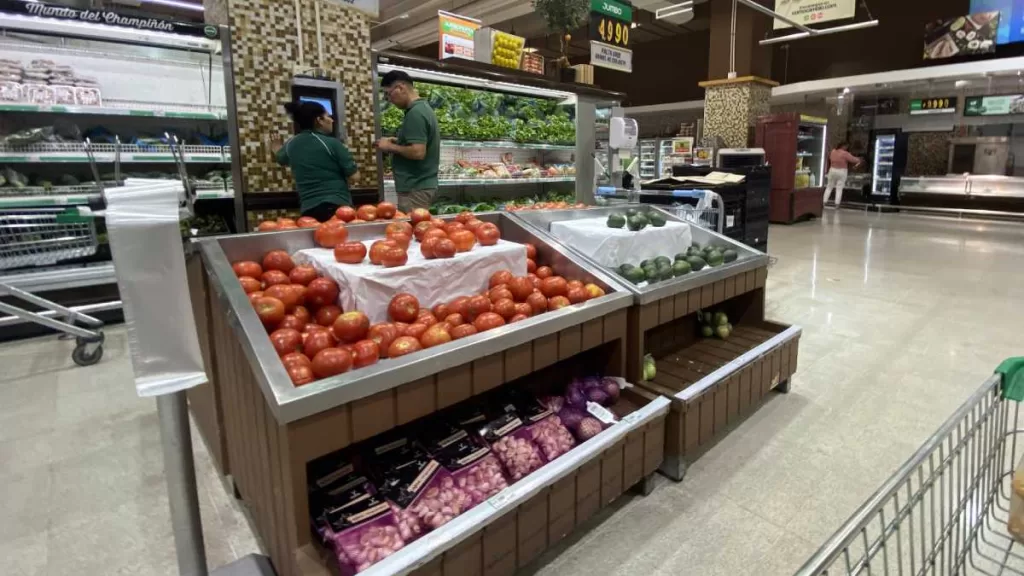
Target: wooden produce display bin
[(273, 429), (711, 383)]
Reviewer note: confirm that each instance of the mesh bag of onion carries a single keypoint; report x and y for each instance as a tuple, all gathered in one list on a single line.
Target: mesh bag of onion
[(423, 494), (360, 528), (475, 469), (513, 445), (545, 427)]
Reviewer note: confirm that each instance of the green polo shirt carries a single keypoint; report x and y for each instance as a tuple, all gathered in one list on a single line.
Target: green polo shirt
[(321, 166), (418, 127)]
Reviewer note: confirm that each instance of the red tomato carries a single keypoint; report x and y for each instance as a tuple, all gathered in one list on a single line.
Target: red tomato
[(402, 239), (367, 212), (534, 279), (289, 226), (393, 257), (383, 334), (434, 233), (435, 335), (558, 302), (247, 268), (302, 313), (458, 306), (307, 222), (377, 250), (274, 277), (554, 286), (450, 227), (345, 214), (331, 362), (268, 226), (286, 340), (351, 327), (440, 311), (285, 294), (476, 306), (420, 215), (531, 266), (427, 247), (330, 234), (538, 302), (505, 308), (574, 284), (250, 285), (425, 316), (473, 224), (520, 288), (517, 318), (416, 330), (487, 321), (531, 251), (295, 358), (488, 234), (301, 375), (500, 293), (454, 320), (577, 295), (321, 292), (400, 215), (464, 216), (404, 345), (462, 330), (544, 272), (253, 296), (350, 252), (365, 353), (293, 322), (400, 328), (386, 210), (500, 277), (287, 222), (398, 228), (404, 307), (437, 223), (270, 310), (358, 221), (302, 274), (594, 291), (420, 230), (326, 315), (524, 309), (278, 260), (445, 248), (463, 239)]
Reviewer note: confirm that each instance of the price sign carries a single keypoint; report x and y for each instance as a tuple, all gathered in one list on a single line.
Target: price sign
[(944, 105), (610, 22)]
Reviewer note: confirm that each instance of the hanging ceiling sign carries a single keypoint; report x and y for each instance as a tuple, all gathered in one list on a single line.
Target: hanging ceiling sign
[(607, 56), (108, 17), (456, 35), (809, 12), (610, 22)]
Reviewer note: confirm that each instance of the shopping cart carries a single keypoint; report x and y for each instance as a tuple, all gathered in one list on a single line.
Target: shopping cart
[(945, 510), (708, 212), (43, 237)]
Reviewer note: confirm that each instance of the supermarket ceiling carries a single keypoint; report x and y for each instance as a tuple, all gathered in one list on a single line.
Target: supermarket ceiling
[(411, 24)]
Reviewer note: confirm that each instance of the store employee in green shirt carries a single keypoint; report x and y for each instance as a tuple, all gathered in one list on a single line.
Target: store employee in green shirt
[(417, 149), (321, 164)]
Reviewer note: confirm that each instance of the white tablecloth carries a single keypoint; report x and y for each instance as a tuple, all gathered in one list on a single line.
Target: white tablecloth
[(613, 247), (369, 288)]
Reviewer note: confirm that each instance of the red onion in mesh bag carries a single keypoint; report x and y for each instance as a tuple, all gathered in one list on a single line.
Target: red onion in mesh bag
[(588, 428), (598, 396), (611, 387), (574, 394), (571, 416), (553, 403)]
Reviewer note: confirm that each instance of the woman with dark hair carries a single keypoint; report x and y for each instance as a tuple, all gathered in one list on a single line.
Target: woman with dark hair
[(839, 168), (321, 164)]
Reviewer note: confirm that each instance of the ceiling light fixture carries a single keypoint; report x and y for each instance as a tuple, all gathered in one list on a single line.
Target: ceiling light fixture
[(634, 25), (674, 10), (402, 16), (177, 4)]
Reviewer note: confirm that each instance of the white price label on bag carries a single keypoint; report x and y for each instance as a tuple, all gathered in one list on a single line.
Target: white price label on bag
[(631, 419), (601, 413), (501, 499)]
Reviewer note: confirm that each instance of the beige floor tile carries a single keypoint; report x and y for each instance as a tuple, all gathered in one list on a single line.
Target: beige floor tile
[(25, 556)]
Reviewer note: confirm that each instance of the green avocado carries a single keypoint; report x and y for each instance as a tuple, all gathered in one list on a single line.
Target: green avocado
[(666, 272), (630, 212), (625, 268), (723, 332), (652, 274), (695, 245), (706, 331), (637, 222), (635, 275), (693, 251), (662, 261), (616, 221), (646, 263), (720, 319), (729, 256), (696, 263), (715, 258), (657, 220), (681, 268), (681, 256)]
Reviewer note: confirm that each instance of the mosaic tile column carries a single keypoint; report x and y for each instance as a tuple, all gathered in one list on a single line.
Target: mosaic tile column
[(265, 50), (732, 107)]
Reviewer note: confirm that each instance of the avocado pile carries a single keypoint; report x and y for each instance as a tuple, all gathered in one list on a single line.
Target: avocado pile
[(636, 220), (664, 268), (714, 324)]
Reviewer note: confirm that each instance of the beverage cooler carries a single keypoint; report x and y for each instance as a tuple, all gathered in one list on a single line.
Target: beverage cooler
[(648, 159), (888, 160)]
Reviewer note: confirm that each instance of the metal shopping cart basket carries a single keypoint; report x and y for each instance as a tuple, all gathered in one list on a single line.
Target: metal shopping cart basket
[(43, 237), (708, 212), (945, 511)]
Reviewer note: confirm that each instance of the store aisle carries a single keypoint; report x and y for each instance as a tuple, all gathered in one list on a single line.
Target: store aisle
[(903, 316)]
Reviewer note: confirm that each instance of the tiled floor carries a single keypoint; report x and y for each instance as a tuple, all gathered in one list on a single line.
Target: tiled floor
[(903, 317)]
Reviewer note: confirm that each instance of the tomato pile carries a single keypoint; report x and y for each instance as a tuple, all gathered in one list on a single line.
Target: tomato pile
[(365, 213), (437, 238), (316, 339)]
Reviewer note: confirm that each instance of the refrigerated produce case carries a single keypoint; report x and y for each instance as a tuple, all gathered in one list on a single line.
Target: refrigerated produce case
[(795, 146)]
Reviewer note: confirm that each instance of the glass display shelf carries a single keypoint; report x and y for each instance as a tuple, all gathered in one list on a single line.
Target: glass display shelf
[(504, 144), (127, 110), (483, 181)]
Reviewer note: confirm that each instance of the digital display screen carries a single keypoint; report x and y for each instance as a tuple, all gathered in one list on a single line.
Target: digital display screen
[(327, 103), (1011, 18)]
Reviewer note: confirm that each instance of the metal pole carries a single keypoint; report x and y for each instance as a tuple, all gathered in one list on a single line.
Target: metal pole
[(777, 16), (822, 32), (732, 42), (179, 468)]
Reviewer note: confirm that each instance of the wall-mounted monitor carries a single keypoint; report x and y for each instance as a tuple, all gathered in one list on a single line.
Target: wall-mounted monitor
[(1011, 18), (328, 93)]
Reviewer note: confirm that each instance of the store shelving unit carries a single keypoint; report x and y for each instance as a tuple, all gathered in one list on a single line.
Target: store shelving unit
[(795, 146), (649, 159), (154, 90)]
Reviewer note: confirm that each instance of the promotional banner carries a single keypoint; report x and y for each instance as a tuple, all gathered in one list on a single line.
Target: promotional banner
[(961, 36), (1011, 18), (108, 17), (809, 12), (994, 105), (611, 57), (943, 105), (456, 35)]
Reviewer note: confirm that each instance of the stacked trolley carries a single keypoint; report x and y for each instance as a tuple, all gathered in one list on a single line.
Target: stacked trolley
[(44, 237), (945, 511)]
